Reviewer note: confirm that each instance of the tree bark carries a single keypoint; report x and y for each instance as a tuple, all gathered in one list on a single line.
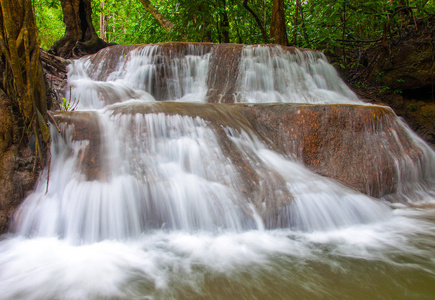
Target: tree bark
[(295, 25), (80, 37), (23, 79), (225, 24), (304, 29), (257, 19), (277, 23), (344, 37), (24, 134), (102, 23), (166, 24)]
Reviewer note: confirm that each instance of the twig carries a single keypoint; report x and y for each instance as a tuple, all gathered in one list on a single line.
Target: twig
[(357, 41), (374, 67), (53, 120), (403, 8), (367, 68), (48, 170)]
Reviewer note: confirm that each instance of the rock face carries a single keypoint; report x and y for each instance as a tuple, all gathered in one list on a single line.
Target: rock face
[(409, 66), (86, 128), (408, 71), (400, 76), (17, 175), (224, 73), (356, 145), (363, 147)]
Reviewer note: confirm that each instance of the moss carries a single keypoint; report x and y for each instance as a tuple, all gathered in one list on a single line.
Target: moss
[(5, 124)]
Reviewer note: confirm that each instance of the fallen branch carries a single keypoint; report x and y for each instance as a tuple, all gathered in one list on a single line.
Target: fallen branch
[(53, 120), (358, 41), (55, 61)]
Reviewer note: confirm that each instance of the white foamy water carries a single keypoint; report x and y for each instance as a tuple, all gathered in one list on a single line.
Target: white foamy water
[(266, 264), (266, 74), (318, 203), (416, 174), (159, 172), (140, 74), (161, 204), (269, 74)]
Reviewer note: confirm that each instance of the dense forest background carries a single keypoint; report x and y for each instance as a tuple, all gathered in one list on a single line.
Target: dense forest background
[(316, 24), (343, 29)]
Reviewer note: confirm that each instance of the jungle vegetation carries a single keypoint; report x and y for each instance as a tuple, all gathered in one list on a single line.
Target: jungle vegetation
[(316, 24)]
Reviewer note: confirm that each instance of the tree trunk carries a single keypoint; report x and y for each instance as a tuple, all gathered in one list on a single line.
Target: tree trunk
[(295, 25), (166, 24), (277, 23), (23, 106), (102, 23), (80, 37), (23, 80), (304, 30), (344, 38), (225, 24), (257, 19)]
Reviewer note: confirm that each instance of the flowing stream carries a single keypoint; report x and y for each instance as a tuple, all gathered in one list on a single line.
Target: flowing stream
[(183, 198)]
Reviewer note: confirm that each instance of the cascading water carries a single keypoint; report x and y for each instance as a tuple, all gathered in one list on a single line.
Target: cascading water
[(275, 75), (162, 200)]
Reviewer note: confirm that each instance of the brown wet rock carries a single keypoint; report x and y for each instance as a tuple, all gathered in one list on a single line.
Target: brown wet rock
[(106, 60), (418, 114), (55, 73), (224, 70), (17, 170), (85, 128), (356, 145)]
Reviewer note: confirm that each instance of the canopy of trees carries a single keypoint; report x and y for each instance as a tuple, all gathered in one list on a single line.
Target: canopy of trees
[(310, 23)]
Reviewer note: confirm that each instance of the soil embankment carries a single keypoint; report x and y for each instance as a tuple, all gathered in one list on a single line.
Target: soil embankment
[(399, 74)]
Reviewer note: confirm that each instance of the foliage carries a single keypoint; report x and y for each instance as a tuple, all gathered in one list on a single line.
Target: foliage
[(49, 20), (382, 89), (68, 104), (323, 24)]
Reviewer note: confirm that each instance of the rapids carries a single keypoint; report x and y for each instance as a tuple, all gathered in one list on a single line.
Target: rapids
[(168, 182)]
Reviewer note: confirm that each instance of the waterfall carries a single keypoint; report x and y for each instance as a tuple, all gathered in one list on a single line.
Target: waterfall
[(186, 165), (158, 168), (274, 75)]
